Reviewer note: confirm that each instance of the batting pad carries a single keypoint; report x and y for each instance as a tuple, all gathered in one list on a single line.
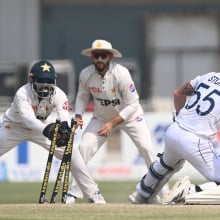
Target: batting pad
[(206, 197)]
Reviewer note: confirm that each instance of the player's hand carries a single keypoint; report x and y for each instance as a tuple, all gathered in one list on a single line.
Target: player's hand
[(105, 129), (79, 121)]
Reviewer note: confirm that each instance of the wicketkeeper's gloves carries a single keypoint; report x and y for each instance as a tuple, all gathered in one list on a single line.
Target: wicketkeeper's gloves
[(63, 133)]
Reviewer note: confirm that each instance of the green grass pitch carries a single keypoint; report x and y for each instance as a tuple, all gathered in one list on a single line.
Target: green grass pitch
[(19, 201)]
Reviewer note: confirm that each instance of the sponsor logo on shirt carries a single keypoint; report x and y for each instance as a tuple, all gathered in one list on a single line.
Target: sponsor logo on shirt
[(106, 102), (94, 89), (132, 87), (138, 119)]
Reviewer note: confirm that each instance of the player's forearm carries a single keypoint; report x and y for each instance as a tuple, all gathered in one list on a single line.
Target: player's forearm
[(181, 94), (117, 120), (129, 110), (27, 115), (179, 98), (80, 105), (179, 102)]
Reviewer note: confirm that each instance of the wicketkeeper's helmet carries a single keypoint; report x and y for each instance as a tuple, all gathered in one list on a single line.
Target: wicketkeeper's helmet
[(43, 78)]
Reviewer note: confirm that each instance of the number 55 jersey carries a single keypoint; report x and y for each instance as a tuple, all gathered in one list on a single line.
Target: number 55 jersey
[(201, 114)]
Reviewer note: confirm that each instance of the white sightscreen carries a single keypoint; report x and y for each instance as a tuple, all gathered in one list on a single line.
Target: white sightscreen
[(181, 47)]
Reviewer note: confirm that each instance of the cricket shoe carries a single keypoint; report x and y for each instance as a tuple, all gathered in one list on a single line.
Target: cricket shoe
[(97, 198), (70, 199), (137, 198), (177, 194)]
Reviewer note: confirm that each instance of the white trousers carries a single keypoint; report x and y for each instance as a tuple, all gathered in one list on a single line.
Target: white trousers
[(198, 151), (180, 146), (11, 134), (90, 143)]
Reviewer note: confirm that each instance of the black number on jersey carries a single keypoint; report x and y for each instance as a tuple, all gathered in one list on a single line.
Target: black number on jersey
[(208, 98)]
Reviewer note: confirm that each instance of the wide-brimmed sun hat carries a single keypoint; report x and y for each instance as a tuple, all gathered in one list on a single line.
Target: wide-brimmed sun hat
[(101, 45)]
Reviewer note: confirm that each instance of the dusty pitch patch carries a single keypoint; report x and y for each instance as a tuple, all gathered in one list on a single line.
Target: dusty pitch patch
[(108, 212)]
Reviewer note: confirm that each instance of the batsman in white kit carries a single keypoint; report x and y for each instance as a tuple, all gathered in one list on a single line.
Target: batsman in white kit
[(26, 120), (190, 138), (116, 104)]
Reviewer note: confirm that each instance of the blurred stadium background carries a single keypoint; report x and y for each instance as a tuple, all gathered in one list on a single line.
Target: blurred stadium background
[(164, 43)]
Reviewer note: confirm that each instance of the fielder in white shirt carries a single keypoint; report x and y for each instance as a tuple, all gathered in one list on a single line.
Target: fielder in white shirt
[(26, 120), (116, 104), (190, 138)]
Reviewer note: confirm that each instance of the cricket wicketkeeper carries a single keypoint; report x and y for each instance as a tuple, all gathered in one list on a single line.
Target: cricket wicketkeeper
[(26, 120)]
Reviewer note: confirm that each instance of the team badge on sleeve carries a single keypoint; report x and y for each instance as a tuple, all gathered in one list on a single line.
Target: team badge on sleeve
[(132, 87), (66, 106)]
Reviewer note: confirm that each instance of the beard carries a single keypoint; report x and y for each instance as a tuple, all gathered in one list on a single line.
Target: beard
[(100, 66)]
